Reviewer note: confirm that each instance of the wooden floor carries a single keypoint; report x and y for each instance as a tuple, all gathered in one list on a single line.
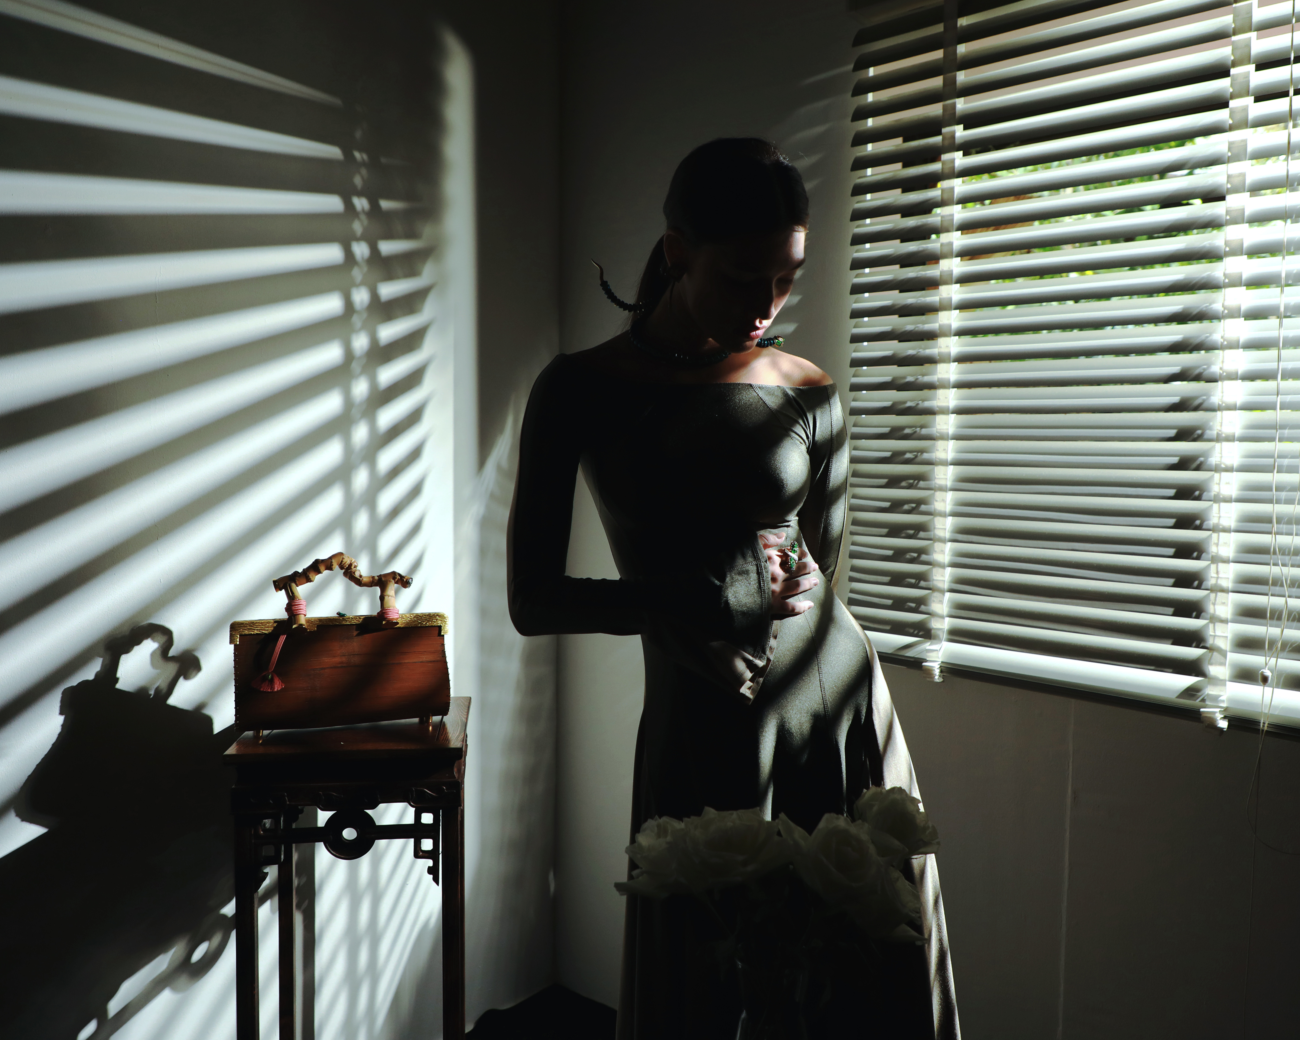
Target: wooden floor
[(553, 1013)]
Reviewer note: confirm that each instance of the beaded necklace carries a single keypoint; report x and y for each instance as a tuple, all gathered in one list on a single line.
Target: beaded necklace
[(690, 360)]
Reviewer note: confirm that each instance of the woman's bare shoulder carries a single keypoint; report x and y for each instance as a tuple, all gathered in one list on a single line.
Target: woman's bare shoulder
[(602, 355), (797, 371), (611, 357), (617, 357)]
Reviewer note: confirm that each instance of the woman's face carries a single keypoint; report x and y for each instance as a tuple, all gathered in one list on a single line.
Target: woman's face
[(733, 290)]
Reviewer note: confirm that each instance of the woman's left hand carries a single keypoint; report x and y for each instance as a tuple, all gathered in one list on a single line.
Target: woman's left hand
[(803, 578)]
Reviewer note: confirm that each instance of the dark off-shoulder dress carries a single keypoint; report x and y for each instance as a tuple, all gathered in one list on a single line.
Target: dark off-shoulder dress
[(740, 710)]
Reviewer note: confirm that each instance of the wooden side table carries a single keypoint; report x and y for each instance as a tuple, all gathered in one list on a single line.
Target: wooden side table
[(347, 771)]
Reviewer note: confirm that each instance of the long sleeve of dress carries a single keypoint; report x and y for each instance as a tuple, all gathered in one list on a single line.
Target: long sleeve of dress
[(821, 518), (543, 599), (724, 597)]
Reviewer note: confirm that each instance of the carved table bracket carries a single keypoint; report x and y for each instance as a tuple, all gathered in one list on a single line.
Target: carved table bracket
[(348, 834)]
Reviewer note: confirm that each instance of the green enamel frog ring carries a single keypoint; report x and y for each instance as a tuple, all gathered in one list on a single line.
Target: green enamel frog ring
[(789, 557)]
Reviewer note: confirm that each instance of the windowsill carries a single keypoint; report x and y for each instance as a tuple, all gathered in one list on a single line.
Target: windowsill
[(1131, 688)]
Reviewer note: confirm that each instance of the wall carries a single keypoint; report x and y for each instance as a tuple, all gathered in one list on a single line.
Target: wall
[(1099, 876), (227, 351), (510, 784)]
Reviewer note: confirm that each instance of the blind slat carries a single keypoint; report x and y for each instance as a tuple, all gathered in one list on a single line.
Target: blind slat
[(1076, 347)]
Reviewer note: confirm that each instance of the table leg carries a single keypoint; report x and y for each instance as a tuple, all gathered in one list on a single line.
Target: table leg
[(248, 879), (305, 879), (453, 923), (284, 907)]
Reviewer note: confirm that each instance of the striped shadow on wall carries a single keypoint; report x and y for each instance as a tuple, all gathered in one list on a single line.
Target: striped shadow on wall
[(220, 357)]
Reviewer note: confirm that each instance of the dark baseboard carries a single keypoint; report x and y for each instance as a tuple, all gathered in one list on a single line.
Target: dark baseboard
[(552, 1014)]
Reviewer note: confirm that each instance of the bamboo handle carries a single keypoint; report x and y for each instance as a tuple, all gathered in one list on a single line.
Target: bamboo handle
[(346, 566)]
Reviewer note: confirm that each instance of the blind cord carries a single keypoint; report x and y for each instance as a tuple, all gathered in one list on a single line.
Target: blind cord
[(1272, 661)]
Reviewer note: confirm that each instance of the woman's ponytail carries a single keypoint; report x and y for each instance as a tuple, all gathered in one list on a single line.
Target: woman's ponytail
[(654, 280)]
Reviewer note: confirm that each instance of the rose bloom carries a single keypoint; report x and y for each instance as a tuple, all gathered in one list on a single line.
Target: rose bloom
[(703, 853), (839, 862), (658, 846), (899, 826), (730, 848), (659, 853)]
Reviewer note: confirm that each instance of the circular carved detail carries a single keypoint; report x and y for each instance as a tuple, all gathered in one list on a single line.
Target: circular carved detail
[(356, 820)]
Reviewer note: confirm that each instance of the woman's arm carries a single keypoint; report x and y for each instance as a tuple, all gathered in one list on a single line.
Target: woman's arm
[(821, 519), (543, 599)]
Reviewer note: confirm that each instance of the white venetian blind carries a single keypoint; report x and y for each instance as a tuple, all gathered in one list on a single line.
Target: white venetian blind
[(1069, 266)]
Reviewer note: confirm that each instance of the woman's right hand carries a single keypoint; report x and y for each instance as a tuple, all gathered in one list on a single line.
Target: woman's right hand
[(785, 587)]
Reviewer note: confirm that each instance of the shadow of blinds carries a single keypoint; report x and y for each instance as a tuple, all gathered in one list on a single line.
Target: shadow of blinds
[(219, 354)]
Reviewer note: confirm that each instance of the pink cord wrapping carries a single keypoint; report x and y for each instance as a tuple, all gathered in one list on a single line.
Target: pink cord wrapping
[(389, 613), (268, 681)]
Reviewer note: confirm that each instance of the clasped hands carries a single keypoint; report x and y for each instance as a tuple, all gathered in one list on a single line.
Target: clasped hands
[(785, 587)]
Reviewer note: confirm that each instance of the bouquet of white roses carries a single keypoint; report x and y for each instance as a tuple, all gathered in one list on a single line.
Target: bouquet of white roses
[(796, 910)]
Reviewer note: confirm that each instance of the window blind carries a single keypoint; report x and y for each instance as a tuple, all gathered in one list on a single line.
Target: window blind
[(1074, 345)]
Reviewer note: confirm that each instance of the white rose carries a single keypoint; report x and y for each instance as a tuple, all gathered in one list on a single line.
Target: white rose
[(839, 862), (659, 845), (659, 851), (702, 853), (731, 848), (900, 827)]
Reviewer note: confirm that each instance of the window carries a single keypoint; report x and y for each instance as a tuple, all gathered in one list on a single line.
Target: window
[(1074, 424)]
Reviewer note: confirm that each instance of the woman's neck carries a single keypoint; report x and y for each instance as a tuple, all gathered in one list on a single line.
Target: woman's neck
[(673, 329)]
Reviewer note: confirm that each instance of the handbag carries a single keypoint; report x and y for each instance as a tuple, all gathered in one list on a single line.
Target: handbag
[(306, 672)]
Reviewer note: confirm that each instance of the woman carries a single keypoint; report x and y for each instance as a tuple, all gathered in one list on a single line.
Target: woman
[(711, 454)]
